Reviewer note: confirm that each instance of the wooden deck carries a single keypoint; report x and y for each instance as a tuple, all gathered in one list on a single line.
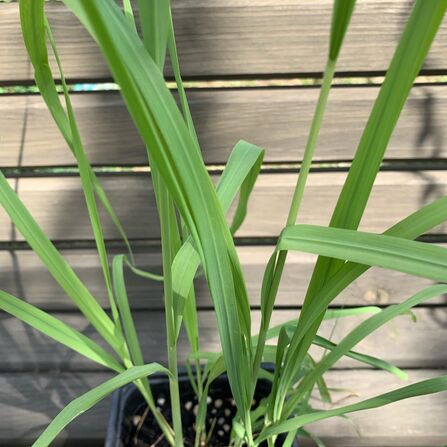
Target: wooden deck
[(244, 54)]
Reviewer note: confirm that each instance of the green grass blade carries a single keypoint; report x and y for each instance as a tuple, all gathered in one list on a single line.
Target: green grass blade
[(132, 338), (87, 184), (362, 358), (362, 331), (184, 268), (341, 16), (341, 313), (155, 42), (329, 315), (322, 387), (405, 65), (270, 352), (125, 314), (57, 330), (412, 257), (407, 61), (92, 397), (155, 21), (32, 19), (58, 266), (411, 227), (240, 174), (174, 153), (422, 388), (128, 12), (192, 325), (189, 308), (142, 273), (291, 437), (281, 349), (342, 12), (170, 242), (105, 202), (178, 80)]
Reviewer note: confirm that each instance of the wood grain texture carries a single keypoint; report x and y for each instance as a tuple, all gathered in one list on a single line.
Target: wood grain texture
[(58, 205), (402, 341), (236, 37), (29, 402), (24, 275), (275, 119)]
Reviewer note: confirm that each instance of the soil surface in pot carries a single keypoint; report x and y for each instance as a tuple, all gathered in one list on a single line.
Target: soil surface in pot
[(141, 430)]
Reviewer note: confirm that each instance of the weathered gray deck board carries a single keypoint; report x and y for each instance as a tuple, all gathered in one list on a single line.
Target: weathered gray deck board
[(222, 37), (24, 275), (276, 119), (58, 204), (30, 401), (403, 342)]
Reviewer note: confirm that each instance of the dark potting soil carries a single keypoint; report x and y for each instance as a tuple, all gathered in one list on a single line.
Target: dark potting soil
[(141, 430)]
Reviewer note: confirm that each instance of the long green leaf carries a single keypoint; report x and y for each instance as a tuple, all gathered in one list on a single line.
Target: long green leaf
[(239, 175), (178, 79), (58, 266), (144, 274), (411, 227), (362, 358), (188, 308), (411, 51), (124, 312), (132, 338), (322, 387), (57, 330), (87, 183), (329, 315), (155, 25), (422, 388), (353, 311), (92, 397), (407, 61), (32, 19), (184, 268), (128, 12), (157, 16), (359, 333), (296, 395), (341, 16), (415, 258)]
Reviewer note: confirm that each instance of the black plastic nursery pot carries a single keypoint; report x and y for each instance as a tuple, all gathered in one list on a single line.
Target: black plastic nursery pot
[(131, 425)]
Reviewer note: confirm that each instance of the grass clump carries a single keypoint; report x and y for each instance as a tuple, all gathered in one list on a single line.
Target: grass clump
[(196, 238)]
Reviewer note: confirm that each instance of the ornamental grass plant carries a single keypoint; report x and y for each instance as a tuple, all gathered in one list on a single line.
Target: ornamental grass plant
[(197, 237)]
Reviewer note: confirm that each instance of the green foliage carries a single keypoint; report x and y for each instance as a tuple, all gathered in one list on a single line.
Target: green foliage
[(197, 239), (87, 400)]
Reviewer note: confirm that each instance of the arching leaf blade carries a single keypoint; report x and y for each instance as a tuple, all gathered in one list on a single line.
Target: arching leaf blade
[(58, 330), (89, 399)]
